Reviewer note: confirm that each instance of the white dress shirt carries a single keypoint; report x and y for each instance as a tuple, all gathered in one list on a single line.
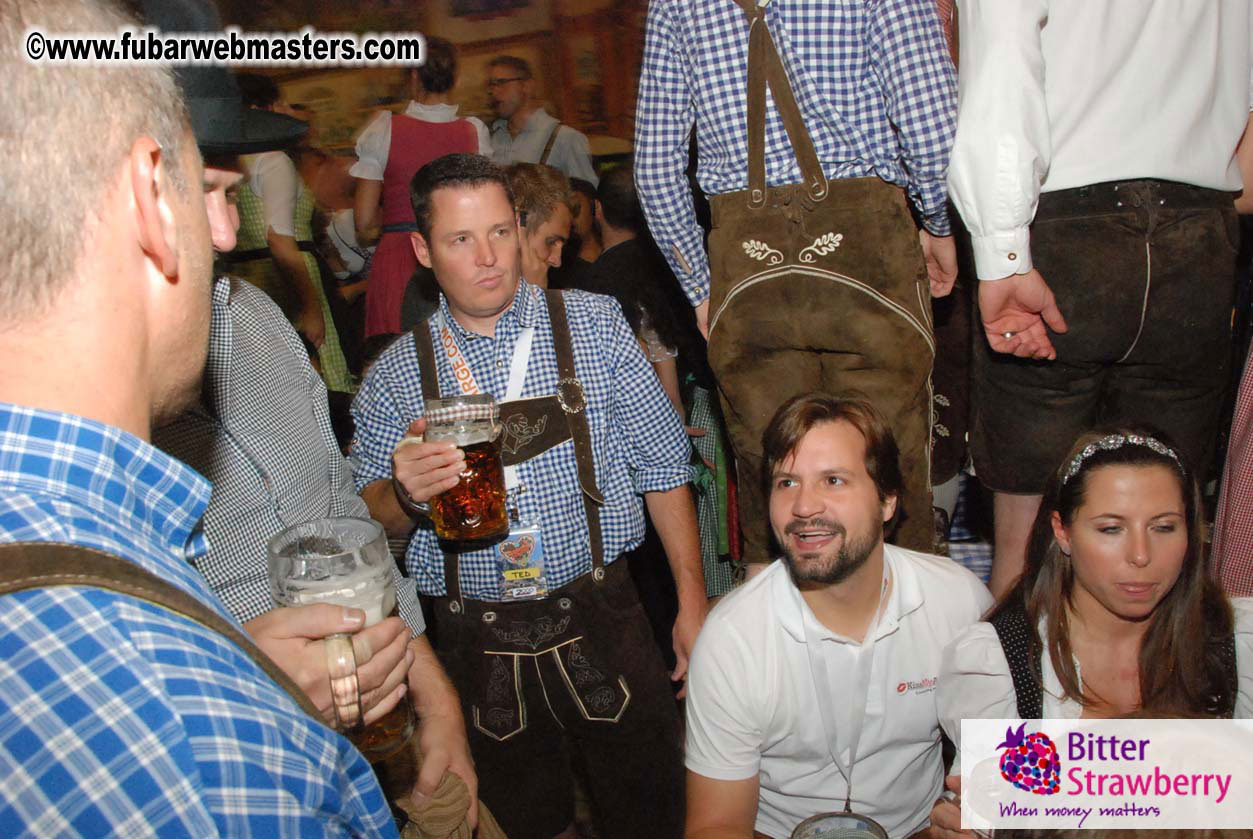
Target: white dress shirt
[(1055, 94), (752, 706), (375, 142)]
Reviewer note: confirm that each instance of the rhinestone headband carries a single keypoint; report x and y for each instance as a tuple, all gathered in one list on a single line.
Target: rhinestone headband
[(1117, 441)]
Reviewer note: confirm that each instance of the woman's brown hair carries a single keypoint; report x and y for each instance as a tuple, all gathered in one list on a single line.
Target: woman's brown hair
[(1181, 668)]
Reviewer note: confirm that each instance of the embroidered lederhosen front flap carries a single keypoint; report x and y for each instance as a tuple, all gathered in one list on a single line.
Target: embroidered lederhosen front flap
[(550, 640)]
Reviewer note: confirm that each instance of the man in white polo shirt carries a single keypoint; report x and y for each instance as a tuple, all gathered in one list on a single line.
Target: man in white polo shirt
[(824, 666)]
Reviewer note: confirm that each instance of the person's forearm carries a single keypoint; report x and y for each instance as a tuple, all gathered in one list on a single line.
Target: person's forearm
[(365, 211), (1003, 143), (1244, 156), (432, 691), (718, 833), (674, 517), (380, 498), (352, 291), (665, 114), (292, 263)]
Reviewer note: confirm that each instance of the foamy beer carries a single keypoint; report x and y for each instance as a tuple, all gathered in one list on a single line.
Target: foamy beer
[(343, 561), (475, 508)]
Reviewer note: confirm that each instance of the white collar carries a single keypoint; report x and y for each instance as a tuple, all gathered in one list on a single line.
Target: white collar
[(431, 113), (906, 596)]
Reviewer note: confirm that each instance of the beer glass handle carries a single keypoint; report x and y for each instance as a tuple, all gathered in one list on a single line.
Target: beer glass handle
[(406, 500), (341, 665)]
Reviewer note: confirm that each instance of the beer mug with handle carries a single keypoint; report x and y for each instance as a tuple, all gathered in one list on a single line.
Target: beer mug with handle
[(475, 508), (343, 561)]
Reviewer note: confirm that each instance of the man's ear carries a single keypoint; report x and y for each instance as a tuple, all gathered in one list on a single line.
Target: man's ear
[(598, 212), (889, 507), (149, 167), (420, 249)]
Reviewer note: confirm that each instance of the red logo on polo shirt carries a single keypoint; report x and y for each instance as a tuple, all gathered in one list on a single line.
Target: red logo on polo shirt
[(920, 686)]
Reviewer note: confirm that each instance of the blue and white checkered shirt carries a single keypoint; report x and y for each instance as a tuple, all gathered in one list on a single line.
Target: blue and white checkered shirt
[(264, 438), (873, 80), (119, 718), (638, 440)]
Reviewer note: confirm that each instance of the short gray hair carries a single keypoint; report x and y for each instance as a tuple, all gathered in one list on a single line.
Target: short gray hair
[(65, 130)]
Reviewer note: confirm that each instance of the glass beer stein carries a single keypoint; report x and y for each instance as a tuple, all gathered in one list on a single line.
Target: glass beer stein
[(475, 508), (346, 562)]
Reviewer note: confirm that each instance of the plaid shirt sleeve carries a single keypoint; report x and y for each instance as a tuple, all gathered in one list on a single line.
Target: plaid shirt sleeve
[(654, 439), (663, 121), (909, 56), (379, 419)]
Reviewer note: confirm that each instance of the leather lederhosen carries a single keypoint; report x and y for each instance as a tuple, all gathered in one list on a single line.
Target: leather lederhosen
[(553, 630), (818, 284)]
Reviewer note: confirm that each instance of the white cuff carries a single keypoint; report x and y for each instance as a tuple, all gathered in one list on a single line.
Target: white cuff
[(1002, 254)]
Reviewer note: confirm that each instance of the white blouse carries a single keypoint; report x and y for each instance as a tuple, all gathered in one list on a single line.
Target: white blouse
[(273, 177), (375, 141), (975, 683)]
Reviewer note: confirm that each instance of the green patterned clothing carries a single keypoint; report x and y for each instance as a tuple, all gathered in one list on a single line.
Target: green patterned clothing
[(264, 273)]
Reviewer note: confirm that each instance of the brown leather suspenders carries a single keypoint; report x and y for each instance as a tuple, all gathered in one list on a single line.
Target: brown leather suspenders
[(28, 565), (558, 417)]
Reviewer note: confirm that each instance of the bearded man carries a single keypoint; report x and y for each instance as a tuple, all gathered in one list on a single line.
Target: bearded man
[(811, 687)]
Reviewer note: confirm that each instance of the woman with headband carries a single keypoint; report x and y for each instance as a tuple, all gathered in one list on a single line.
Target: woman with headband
[(1115, 613)]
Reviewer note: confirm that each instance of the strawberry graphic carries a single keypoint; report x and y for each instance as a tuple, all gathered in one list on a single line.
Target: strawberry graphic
[(1030, 762)]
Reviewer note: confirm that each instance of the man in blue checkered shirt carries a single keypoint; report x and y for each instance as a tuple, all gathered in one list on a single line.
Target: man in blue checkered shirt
[(828, 209), (574, 676), (117, 716)]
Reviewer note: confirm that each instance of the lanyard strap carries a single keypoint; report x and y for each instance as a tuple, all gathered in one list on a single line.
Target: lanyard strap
[(468, 384), (857, 697)]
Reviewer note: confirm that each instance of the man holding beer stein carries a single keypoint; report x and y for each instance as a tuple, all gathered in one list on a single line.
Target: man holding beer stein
[(517, 429)]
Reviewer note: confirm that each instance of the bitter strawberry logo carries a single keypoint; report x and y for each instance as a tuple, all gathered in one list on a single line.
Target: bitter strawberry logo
[(1030, 762)]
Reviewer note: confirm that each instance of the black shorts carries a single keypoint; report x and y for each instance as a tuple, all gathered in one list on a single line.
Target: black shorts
[(1144, 273), (570, 683)]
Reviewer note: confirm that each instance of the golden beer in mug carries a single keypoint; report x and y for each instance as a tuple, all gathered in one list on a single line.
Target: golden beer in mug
[(475, 508)]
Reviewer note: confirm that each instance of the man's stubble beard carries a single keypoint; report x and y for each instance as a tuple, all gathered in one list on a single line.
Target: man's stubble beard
[(851, 555)]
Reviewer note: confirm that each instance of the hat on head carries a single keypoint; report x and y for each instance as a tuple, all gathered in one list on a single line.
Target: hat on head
[(219, 120)]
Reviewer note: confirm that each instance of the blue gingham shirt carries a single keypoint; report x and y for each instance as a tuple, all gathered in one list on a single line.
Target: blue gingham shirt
[(872, 78), (637, 438), (119, 718)]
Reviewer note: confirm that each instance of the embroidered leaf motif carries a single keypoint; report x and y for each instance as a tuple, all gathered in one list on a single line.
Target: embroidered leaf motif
[(822, 246), (759, 250)]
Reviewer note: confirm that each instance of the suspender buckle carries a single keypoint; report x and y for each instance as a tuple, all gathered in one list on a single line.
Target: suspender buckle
[(570, 395)]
